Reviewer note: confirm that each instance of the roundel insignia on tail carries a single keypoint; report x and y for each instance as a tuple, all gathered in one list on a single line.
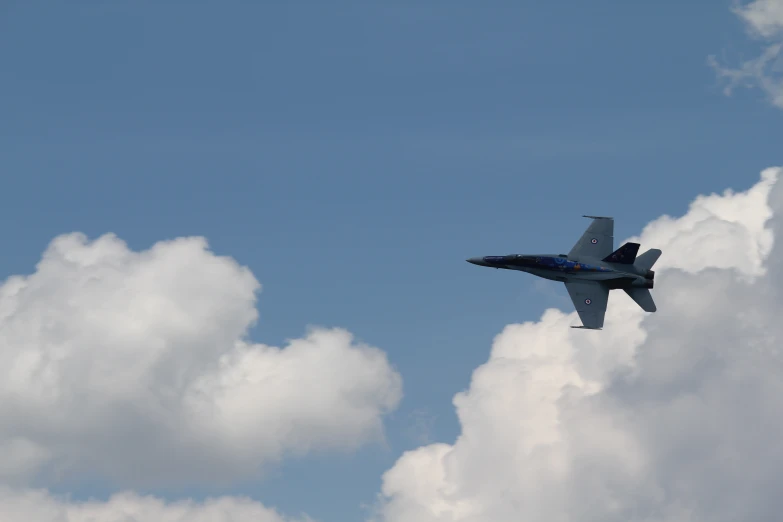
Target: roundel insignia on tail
[(588, 301), (594, 241)]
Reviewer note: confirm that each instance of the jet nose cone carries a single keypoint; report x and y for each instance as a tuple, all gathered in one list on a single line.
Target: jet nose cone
[(476, 261)]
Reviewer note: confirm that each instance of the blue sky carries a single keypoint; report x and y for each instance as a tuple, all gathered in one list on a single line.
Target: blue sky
[(354, 154)]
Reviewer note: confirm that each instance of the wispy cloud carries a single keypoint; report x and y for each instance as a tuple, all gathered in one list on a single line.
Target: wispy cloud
[(420, 425), (764, 21)]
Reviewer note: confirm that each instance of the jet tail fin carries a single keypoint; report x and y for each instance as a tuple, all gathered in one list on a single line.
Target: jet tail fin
[(648, 259), (625, 255), (643, 298)]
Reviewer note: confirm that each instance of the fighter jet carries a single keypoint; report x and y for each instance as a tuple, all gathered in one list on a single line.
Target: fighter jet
[(590, 270)]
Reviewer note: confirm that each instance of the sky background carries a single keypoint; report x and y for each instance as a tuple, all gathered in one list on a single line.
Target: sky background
[(354, 154)]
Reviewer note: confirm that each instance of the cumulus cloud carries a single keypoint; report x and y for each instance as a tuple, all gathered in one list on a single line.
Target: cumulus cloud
[(764, 20), (666, 417), (40, 506), (136, 367), (734, 225)]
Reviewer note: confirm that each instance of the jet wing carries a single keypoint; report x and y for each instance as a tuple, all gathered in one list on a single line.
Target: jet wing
[(597, 241), (590, 299)]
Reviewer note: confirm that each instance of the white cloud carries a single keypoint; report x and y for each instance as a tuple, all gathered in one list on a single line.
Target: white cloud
[(734, 225), (666, 417), (134, 367), (40, 506), (763, 17), (764, 20)]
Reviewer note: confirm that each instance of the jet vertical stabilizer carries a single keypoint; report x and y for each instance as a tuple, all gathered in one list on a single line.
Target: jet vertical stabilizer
[(625, 255)]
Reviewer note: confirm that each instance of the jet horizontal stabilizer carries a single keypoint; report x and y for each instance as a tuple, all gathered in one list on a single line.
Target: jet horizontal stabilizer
[(643, 298), (648, 259)]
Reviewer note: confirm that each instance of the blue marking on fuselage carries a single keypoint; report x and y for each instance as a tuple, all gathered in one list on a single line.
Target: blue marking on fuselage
[(550, 263), (564, 265)]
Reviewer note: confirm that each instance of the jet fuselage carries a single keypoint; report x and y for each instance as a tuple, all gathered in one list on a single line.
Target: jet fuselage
[(561, 268)]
